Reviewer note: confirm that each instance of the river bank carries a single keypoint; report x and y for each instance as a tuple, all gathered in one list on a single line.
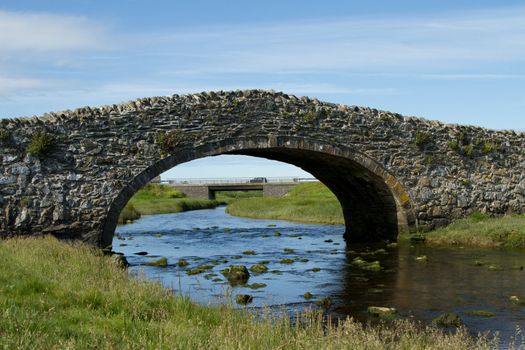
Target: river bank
[(90, 302), (161, 199), (480, 230), (314, 203), (307, 202)]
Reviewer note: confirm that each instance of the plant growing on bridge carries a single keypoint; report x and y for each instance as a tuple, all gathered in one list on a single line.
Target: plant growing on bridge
[(167, 141), (422, 138), (453, 145), (4, 135), (469, 150), (489, 147), (308, 117), (159, 138), (41, 143)]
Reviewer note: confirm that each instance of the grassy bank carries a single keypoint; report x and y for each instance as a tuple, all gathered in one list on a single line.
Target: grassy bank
[(54, 295), (231, 196), (479, 230), (307, 202), (314, 203), (161, 199)]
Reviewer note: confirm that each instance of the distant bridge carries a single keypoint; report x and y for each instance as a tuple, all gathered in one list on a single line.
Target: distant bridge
[(207, 188)]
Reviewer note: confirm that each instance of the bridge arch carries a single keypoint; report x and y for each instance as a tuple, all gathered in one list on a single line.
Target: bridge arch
[(374, 203)]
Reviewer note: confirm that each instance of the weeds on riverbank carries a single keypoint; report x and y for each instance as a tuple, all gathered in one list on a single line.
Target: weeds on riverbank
[(162, 199), (307, 202), (129, 213), (480, 230), (55, 295)]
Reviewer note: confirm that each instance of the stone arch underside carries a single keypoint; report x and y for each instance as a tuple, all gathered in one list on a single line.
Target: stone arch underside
[(374, 204)]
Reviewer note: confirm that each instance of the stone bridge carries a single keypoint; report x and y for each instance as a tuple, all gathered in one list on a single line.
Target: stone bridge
[(70, 173)]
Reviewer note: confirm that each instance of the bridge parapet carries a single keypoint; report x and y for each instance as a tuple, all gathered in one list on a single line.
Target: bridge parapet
[(236, 180)]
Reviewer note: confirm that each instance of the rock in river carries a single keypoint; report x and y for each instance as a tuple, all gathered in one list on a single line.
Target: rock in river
[(243, 299), (236, 274)]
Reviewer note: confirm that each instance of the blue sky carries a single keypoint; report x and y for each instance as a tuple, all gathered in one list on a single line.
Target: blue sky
[(455, 61)]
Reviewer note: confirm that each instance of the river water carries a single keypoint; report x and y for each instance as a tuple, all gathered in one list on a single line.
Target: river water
[(455, 279)]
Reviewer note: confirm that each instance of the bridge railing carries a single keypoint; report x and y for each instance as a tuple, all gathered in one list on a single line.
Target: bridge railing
[(235, 180)]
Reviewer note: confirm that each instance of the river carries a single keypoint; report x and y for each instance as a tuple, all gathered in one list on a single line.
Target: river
[(454, 279)]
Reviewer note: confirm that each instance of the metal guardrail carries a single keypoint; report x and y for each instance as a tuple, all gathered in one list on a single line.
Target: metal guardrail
[(237, 180)]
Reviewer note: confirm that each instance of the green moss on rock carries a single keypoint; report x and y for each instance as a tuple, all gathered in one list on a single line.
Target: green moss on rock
[(236, 274), (161, 262)]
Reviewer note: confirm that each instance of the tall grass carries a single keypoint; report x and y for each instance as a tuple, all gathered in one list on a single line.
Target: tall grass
[(482, 231), (129, 213), (55, 295), (307, 202)]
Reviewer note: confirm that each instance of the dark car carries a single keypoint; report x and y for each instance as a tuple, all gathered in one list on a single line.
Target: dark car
[(258, 180)]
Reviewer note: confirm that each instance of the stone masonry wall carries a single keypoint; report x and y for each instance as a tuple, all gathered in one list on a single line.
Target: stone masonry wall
[(98, 153)]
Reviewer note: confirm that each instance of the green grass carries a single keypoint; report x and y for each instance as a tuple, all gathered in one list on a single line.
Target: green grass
[(230, 196), (129, 213), (162, 199), (307, 202), (479, 230), (58, 295)]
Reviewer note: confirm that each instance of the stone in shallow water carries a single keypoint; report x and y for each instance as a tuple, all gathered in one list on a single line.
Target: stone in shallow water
[(259, 268), (480, 313), (161, 262), (210, 276), (448, 319), (422, 258), (236, 274), (382, 311), (243, 299), (256, 285), (286, 261), (365, 265), (199, 269), (308, 295), (182, 262), (325, 302), (516, 300)]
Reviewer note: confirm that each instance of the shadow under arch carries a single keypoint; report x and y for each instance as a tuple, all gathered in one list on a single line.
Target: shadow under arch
[(375, 205)]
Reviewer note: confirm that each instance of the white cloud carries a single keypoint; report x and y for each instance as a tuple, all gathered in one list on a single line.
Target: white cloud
[(43, 32), (350, 44), (16, 84)]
